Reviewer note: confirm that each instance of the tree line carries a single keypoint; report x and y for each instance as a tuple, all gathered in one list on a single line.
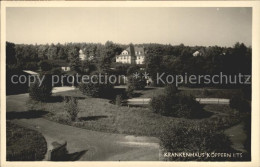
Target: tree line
[(171, 59)]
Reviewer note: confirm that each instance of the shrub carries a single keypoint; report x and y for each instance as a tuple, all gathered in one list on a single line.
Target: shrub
[(45, 65), (247, 128), (170, 89), (71, 107), (130, 91), (194, 138), (137, 83), (240, 104), (161, 104), (33, 105), (96, 89), (119, 100), (30, 66), (132, 69), (176, 105), (41, 92)]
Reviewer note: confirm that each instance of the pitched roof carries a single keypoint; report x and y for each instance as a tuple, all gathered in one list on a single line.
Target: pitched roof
[(133, 49), (136, 48)]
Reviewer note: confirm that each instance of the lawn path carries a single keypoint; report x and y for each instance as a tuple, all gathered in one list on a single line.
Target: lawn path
[(98, 145)]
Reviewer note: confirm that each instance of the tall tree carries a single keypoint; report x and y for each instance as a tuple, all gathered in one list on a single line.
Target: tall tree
[(74, 59), (10, 53), (107, 55)]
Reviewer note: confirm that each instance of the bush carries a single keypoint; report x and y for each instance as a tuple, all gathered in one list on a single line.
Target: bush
[(247, 128), (31, 66), (132, 69), (71, 107), (176, 105), (130, 91), (170, 89), (96, 90), (136, 83), (45, 65), (240, 104), (160, 105), (119, 100), (41, 92), (194, 138)]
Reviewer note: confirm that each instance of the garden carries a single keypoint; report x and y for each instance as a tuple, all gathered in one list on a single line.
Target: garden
[(180, 122)]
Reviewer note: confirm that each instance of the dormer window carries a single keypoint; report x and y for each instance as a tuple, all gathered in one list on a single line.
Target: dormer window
[(124, 52)]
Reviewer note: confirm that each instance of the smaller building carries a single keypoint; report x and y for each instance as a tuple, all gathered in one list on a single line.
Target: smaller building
[(83, 57), (65, 68), (63, 64), (197, 53)]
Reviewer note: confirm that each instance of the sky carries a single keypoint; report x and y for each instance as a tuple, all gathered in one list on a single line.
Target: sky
[(190, 26)]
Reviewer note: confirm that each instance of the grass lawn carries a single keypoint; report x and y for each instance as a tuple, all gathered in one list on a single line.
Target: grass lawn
[(24, 144), (100, 115)]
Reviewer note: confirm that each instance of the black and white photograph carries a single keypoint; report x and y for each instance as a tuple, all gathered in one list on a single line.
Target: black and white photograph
[(128, 83)]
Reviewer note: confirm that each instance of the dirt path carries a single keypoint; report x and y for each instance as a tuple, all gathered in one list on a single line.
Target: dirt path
[(97, 146)]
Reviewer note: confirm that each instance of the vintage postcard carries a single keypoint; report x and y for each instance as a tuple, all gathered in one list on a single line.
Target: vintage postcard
[(130, 83)]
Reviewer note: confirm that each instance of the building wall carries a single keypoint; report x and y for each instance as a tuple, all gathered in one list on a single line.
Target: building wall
[(65, 68), (124, 58), (139, 59)]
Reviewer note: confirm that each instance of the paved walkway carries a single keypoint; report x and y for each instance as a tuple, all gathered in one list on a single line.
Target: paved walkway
[(98, 146)]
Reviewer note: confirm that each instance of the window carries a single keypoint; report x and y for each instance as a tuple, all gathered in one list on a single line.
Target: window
[(124, 52)]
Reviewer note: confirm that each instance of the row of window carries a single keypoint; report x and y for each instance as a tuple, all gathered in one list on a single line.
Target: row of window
[(128, 61), (128, 57), (126, 53), (139, 62)]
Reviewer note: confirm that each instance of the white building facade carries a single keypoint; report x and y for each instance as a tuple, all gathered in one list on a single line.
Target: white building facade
[(131, 55)]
